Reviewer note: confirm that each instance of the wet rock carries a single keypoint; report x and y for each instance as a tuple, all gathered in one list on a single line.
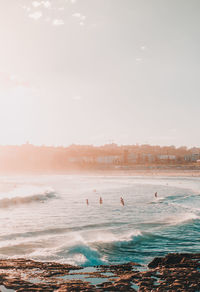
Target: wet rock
[(127, 277), (155, 263), (174, 272), (176, 260)]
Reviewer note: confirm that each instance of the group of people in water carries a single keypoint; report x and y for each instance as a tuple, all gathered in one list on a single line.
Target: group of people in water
[(101, 201), (121, 200)]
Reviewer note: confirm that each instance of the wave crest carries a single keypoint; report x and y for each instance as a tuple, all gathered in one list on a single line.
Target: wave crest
[(18, 200)]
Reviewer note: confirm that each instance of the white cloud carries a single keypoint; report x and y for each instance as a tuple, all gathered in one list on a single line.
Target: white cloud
[(83, 17), (46, 4), (143, 48), (36, 15), (26, 8), (76, 14), (58, 22), (73, 1), (36, 3), (80, 17)]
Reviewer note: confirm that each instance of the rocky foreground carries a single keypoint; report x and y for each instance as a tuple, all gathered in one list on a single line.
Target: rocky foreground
[(174, 272)]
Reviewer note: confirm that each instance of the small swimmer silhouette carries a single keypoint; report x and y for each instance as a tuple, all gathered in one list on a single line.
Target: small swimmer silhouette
[(156, 194), (100, 201), (122, 201), (87, 202)]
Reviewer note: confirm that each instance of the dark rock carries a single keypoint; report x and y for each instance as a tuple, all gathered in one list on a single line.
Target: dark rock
[(155, 263), (174, 272)]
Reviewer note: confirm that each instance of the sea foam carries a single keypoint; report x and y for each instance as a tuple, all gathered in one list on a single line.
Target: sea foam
[(25, 196)]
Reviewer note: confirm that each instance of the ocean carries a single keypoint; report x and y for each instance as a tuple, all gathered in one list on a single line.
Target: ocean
[(46, 218)]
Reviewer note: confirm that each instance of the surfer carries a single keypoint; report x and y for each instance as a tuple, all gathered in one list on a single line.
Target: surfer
[(156, 194), (122, 201), (100, 201), (87, 202)]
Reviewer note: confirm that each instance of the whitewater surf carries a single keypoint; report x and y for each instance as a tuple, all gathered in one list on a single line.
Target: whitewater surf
[(46, 218)]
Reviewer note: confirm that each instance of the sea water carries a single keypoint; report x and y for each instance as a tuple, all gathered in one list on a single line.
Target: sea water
[(46, 218)]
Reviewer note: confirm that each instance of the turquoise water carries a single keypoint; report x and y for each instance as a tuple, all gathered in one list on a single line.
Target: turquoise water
[(47, 218)]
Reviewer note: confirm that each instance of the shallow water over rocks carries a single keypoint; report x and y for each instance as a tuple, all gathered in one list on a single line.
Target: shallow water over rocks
[(175, 272)]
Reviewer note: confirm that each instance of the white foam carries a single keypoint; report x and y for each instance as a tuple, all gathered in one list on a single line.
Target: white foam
[(181, 218), (25, 195), (107, 237)]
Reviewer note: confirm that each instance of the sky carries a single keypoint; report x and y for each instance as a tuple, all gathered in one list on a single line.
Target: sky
[(100, 71)]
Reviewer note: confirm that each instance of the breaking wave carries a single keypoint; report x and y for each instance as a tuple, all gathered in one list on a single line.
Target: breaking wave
[(90, 249), (26, 199), (67, 230)]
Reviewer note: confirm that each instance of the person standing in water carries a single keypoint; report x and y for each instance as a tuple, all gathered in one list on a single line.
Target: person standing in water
[(156, 194), (100, 201), (122, 201), (87, 202)]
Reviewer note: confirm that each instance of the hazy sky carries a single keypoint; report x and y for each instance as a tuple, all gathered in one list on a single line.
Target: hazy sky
[(100, 71)]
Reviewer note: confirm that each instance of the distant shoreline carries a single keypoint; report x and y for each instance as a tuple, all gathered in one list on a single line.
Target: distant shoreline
[(156, 173), (115, 172)]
